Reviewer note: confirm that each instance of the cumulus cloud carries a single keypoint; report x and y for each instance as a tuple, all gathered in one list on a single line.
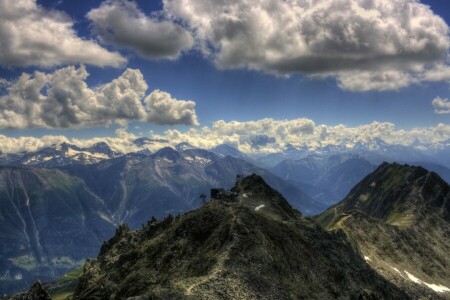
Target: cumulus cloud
[(165, 110), (364, 44), (122, 24), (301, 133), (441, 106), (122, 142), (30, 35), (62, 99), (257, 137)]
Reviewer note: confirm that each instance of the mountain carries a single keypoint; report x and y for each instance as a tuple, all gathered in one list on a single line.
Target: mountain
[(49, 223), (441, 170), (227, 150), (184, 146), (398, 217), (136, 187), (63, 154), (36, 292), (250, 245), (325, 178), (148, 145), (93, 198)]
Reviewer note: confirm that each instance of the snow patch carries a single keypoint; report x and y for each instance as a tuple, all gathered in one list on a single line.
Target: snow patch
[(202, 160), (72, 153), (434, 287), (259, 207), (363, 197), (413, 278), (366, 258)]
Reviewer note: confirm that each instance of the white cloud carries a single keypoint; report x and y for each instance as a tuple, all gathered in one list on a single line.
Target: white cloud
[(121, 142), (270, 136), (372, 80), (364, 44), (62, 99), (30, 35), (278, 134), (165, 110), (121, 23), (441, 106)]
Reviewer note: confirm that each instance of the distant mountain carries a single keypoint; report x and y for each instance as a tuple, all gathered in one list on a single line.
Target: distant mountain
[(398, 217), (227, 150), (442, 154), (327, 179), (272, 159), (75, 199), (148, 145), (443, 171), (374, 150), (136, 187), (145, 141), (377, 151), (184, 146), (252, 246), (63, 154), (49, 223)]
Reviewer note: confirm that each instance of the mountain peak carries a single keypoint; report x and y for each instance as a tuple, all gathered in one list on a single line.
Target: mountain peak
[(399, 195), (184, 146), (398, 219), (227, 150), (253, 192), (167, 152), (231, 250), (102, 147)]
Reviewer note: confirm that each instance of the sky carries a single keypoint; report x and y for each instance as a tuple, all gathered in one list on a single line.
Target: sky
[(178, 68)]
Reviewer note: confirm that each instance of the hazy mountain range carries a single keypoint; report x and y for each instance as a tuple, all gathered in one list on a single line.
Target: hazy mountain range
[(58, 204), (57, 207), (255, 246), (388, 239)]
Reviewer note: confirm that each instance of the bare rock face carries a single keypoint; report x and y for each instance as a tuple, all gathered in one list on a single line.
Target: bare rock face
[(254, 247), (36, 292)]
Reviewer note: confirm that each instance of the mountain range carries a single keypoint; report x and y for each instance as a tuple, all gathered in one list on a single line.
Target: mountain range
[(59, 214), (58, 204), (253, 245)]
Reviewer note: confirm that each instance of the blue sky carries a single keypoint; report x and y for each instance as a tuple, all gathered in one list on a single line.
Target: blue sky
[(241, 94)]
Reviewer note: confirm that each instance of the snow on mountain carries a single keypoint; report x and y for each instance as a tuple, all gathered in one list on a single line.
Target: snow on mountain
[(66, 154)]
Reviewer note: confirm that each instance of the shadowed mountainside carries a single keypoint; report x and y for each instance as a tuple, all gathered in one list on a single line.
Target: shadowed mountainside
[(255, 246), (398, 217)]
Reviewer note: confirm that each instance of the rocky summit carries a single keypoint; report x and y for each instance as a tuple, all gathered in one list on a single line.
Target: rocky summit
[(36, 292), (398, 218), (246, 243)]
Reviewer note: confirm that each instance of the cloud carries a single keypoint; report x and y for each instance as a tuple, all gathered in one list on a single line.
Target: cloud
[(165, 110), (361, 81), (441, 106), (280, 134), (270, 136), (30, 35), (62, 99), (122, 24), (121, 142), (364, 44)]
